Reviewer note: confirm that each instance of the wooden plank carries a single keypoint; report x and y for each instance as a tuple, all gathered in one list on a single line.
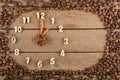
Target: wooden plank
[(79, 40), (68, 19), (72, 61)]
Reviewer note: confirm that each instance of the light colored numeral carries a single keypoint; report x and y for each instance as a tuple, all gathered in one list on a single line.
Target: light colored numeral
[(52, 61), (62, 53), (40, 15), (26, 20), (66, 41), (13, 39), (28, 60), (18, 29), (40, 64), (60, 28), (53, 20), (17, 52)]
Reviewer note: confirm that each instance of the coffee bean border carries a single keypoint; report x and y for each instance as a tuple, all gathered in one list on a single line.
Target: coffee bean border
[(108, 67)]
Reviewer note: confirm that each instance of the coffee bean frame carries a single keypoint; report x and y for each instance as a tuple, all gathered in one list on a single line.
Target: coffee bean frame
[(108, 67)]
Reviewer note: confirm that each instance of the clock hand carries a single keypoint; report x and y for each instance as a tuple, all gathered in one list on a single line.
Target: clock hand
[(41, 38), (45, 32), (41, 26)]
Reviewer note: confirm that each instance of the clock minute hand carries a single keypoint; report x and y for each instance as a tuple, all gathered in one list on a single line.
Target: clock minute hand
[(41, 26)]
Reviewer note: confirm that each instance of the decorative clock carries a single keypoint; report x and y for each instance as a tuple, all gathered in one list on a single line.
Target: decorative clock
[(59, 40)]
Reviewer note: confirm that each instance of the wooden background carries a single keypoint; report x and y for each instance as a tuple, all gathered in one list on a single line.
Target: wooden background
[(85, 32)]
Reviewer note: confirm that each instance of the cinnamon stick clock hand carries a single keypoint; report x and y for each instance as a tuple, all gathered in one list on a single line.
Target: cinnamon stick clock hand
[(41, 26), (43, 33), (41, 38)]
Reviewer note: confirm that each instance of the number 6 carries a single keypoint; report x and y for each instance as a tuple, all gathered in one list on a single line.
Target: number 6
[(66, 41), (40, 64)]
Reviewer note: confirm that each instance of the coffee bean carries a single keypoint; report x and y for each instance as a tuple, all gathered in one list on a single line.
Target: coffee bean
[(108, 67)]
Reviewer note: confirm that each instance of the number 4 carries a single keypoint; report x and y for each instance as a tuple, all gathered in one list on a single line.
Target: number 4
[(62, 53)]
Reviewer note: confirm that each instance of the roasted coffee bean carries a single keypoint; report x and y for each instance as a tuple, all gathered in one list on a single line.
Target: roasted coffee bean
[(108, 67)]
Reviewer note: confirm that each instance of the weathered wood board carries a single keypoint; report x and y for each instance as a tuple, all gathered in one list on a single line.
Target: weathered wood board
[(71, 61), (79, 41), (67, 19), (85, 31)]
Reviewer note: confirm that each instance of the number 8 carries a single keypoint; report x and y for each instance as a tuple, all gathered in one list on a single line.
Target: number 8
[(17, 52)]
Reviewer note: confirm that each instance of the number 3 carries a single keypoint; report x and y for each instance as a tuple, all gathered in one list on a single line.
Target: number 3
[(66, 41)]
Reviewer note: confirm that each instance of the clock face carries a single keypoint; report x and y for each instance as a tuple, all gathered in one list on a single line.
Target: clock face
[(59, 40)]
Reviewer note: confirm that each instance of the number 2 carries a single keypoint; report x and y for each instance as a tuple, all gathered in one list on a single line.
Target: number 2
[(60, 28)]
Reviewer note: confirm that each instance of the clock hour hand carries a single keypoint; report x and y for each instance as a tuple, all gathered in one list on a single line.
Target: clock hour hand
[(41, 38), (44, 33)]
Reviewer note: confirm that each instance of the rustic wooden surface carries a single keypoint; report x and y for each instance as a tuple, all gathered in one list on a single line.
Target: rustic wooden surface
[(86, 40), (79, 41), (68, 19), (71, 61)]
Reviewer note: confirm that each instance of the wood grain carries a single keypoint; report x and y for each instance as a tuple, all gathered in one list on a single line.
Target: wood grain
[(79, 40), (68, 19), (72, 61), (86, 35)]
